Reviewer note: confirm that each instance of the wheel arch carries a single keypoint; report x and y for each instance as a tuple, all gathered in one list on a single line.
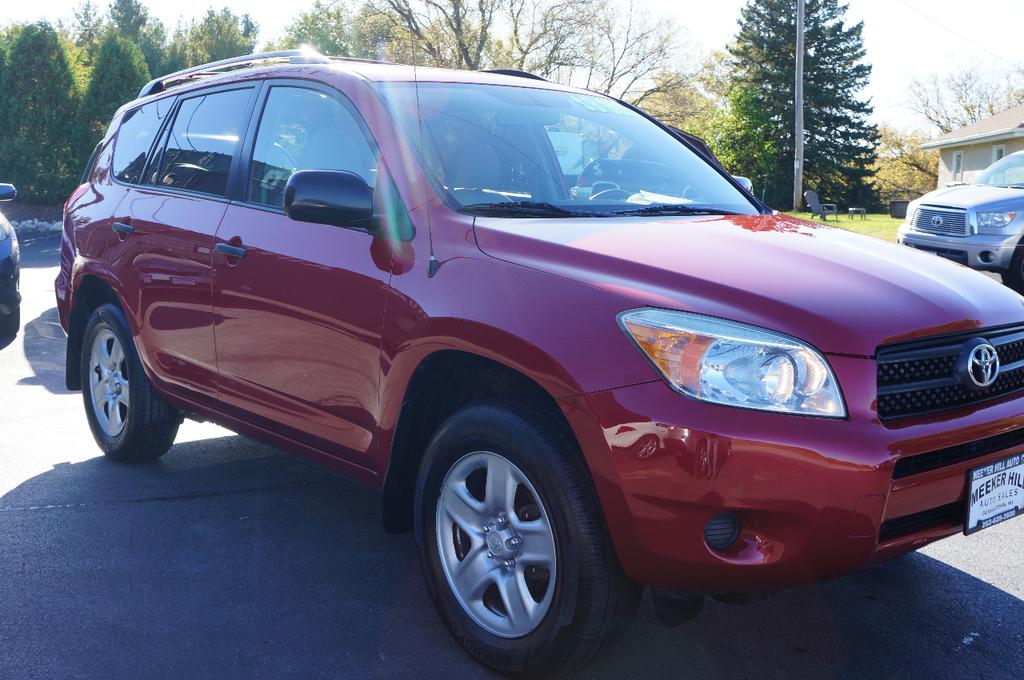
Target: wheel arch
[(91, 292), (443, 382)]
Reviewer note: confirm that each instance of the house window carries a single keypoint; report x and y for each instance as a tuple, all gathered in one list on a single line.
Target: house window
[(958, 166), (998, 151)]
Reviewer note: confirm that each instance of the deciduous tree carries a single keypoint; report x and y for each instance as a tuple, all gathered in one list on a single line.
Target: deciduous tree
[(966, 96), (904, 170)]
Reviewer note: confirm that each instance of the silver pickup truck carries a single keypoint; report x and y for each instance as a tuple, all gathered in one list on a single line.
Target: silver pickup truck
[(979, 225)]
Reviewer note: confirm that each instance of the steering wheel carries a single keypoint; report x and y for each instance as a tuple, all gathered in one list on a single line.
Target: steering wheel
[(485, 196), (281, 150), (611, 194), (691, 194)]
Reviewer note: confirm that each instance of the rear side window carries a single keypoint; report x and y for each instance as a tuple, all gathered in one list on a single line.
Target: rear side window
[(203, 140), (135, 137), (305, 129)]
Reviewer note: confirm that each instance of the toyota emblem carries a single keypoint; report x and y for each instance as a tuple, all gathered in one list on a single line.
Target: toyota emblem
[(936, 220), (983, 365)]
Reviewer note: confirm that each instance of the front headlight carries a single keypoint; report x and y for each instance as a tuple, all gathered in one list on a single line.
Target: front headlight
[(730, 363), (995, 220)]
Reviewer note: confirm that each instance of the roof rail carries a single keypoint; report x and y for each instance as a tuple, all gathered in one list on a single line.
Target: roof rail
[(163, 83), (514, 72)]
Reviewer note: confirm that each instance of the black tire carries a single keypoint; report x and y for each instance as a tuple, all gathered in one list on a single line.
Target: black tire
[(151, 424), (593, 601), (10, 324), (1014, 276)]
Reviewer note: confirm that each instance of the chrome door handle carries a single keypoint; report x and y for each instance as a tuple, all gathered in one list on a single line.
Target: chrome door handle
[(230, 250), (122, 228)]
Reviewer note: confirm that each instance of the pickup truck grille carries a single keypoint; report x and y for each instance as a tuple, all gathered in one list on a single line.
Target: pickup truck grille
[(921, 377), (945, 221)]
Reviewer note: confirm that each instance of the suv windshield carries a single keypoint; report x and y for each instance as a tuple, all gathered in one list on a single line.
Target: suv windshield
[(1009, 172), (527, 152)]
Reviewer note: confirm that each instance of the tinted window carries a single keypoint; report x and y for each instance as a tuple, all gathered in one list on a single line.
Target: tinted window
[(305, 130), (135, 136), (202, 141)]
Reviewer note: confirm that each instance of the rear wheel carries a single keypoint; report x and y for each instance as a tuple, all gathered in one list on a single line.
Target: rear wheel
[(10, 324), (513, 547), (128, 419)]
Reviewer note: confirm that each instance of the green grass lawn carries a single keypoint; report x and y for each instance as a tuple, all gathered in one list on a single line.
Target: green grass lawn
[(879, 226)]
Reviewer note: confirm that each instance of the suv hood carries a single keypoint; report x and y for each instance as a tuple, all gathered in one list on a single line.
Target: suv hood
[(842, 292), (973, 196)]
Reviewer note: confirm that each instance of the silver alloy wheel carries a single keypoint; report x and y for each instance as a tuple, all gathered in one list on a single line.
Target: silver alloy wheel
[(496, 544), (108, 382)]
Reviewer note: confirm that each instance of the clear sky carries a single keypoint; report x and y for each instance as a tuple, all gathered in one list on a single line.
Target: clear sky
[(904, 38)]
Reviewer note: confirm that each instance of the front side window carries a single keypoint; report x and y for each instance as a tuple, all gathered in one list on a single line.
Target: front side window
[(489, 147), (303, 129), (1009, 172), (135, 137), (202, 142)]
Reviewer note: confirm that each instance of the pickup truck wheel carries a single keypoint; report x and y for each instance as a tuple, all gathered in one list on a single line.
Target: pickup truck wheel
[(513, 545), (1014, 276), (128, 419), (10, 324)]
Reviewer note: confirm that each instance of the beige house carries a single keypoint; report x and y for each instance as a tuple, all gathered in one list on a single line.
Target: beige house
[(964, 153)]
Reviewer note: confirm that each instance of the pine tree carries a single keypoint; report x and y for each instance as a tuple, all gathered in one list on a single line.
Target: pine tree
[(39, 107), (839, 141), (87, 29), (129, 17), (117, 76)]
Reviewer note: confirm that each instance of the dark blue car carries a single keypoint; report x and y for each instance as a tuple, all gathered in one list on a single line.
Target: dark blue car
[(10, 296)]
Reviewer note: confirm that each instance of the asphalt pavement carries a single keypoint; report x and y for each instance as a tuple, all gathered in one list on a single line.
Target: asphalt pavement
[(229, 559)]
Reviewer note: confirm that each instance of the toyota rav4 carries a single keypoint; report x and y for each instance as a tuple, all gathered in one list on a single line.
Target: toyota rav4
[(576, 355)]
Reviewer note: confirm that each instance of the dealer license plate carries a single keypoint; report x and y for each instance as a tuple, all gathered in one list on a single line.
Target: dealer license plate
[(995, 493)]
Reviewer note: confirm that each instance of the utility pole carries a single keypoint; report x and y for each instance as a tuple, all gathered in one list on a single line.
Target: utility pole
[(798, 100)]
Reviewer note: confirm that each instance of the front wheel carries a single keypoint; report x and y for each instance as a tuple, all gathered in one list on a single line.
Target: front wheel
[(128, 419), (513, 548), (1014, 276)]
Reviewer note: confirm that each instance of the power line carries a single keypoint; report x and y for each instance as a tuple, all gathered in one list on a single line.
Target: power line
[(957, 34)]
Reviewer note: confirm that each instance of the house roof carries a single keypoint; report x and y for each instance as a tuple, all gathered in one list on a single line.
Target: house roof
[(1004, 125)]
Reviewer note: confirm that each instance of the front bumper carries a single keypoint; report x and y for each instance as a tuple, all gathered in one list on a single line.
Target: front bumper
[(816, 497), (986, 252)]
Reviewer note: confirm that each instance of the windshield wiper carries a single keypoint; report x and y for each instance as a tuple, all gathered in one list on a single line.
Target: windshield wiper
[(523, 209), (671, 209)]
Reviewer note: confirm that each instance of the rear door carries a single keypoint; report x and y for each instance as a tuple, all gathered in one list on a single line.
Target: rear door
[(174, 215), (299, 306)]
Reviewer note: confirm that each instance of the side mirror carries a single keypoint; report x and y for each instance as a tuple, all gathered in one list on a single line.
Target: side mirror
[(8, 192), (334, 197), (744, 182)]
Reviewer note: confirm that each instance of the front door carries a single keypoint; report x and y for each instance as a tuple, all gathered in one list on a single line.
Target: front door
[(299, 306)]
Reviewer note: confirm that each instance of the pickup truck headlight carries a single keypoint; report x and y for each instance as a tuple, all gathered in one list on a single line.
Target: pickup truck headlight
[(995, 220), (730, 363)]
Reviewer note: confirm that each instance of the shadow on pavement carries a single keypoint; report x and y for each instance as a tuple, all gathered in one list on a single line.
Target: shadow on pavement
[(228, 559), (41, 250), (45, 344)]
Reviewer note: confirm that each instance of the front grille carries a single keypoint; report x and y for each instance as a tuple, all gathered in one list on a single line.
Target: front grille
[(919, 521), (953, 455), (945, 221), (921, 377)]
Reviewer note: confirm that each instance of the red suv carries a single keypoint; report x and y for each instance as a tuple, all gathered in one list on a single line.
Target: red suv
[(576, 355)]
